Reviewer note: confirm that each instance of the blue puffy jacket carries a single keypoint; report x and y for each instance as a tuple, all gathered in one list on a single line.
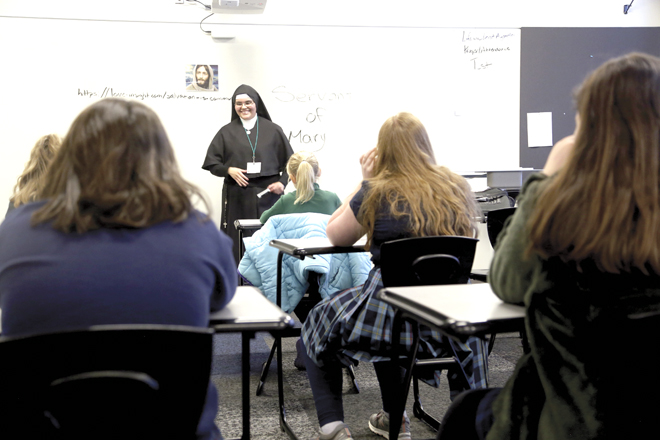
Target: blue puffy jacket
[(259, 263)]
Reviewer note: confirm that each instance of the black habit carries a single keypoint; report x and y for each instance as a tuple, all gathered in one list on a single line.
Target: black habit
[(231, 148)]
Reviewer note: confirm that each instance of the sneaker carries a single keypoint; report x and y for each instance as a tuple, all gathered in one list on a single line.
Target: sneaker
[(380, 424), (298, 362), (341, 432)]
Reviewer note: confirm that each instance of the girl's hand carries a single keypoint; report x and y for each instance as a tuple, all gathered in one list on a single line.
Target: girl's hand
[(559, 155), (367, 162)]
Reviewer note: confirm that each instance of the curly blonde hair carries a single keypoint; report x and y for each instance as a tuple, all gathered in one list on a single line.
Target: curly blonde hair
[(435, 200), (30, 183)]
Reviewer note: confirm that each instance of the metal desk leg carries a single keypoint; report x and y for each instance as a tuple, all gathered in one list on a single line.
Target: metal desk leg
[(399, 406), (241, 251), (264, 370), (245, 356), (245, 382), (278, 341)]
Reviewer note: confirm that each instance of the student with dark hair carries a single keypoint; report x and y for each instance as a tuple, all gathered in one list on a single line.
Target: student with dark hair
[(582, 254), (116, 239)]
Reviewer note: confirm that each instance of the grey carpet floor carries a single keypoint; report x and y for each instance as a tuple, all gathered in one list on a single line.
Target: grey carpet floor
[(299, 403)]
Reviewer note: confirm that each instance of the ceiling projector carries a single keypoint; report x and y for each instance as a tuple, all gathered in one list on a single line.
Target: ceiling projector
[(238, 6)]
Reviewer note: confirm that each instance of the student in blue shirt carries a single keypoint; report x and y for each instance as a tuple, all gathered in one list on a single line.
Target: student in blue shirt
[(115, 239)]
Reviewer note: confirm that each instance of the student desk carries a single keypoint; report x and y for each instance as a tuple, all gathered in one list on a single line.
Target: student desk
[(245, 225), (249, 312), (457, 310), (300, 248)]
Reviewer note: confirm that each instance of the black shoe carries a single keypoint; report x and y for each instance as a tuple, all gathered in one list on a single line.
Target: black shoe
[(298, 362)]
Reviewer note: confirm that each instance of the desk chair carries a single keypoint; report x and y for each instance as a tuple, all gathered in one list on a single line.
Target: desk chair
[(495, 220), (626, 398), (311, 298), (105, 382), (243, 225), (420, 261), (493, 199)]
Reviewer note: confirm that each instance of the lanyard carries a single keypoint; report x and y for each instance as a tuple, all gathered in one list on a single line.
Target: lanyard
[(256, 141)]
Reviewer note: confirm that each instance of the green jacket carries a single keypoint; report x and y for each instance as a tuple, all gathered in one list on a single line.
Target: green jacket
[(323, 202), (575, 382)]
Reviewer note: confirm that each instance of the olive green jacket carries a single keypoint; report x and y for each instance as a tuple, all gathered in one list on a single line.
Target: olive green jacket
[(576, 382)]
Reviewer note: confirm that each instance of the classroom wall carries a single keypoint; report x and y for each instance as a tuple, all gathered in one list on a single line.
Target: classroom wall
[(413, 13), (329, 74)]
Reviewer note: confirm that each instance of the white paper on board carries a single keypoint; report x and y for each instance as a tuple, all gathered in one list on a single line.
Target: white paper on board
[(539, 129)]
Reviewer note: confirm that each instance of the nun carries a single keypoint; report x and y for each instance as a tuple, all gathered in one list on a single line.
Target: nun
[(250, 153)]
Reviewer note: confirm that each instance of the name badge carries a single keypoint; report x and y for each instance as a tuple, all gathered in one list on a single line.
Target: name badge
[(254, 167)]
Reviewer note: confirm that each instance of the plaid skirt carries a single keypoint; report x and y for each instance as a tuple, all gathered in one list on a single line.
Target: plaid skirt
[(355, 326)]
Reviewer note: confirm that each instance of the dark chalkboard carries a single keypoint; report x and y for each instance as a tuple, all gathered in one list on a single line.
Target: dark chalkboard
[(556, 60)]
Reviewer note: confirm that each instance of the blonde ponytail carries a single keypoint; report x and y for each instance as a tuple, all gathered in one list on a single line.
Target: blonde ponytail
[(305, 167)]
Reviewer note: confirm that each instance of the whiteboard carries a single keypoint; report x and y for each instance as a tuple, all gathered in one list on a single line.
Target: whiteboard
[(330, 88)]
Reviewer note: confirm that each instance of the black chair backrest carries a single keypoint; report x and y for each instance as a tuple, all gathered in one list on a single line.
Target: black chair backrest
[(495, 222), (107, 382), (613, 341), (432, 260)]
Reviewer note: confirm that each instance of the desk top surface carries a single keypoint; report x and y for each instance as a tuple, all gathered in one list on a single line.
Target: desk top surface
[(314, 246), (249, 223), (249, 309), (460, 308)]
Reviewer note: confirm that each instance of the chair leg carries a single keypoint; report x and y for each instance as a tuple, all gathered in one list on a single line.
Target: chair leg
[(351, 372), (491, 342), (264, 370), (525, 341), (418, 410)]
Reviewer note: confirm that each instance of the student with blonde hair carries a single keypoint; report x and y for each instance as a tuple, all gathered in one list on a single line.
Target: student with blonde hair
[(30, 183), (303, 168), (404, 193)]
